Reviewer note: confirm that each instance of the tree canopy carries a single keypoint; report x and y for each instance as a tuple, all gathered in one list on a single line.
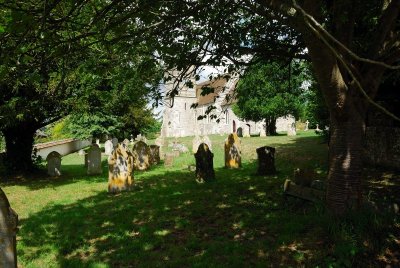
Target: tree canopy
[(270, 90)]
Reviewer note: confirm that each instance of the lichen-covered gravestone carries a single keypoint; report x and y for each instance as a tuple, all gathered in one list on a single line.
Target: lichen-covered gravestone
[(141, 153), (8, 229), (108, 147), (94, 160), (154, 154), (204, 164), (114, 142), (54, 164), (169, 159), (233, 157), (266, 160), (120, 170)]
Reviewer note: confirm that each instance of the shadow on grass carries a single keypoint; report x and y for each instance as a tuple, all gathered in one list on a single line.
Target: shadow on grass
[(169, 220), (238, 220)]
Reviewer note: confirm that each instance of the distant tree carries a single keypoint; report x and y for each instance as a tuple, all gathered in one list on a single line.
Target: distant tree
[(268, 91)]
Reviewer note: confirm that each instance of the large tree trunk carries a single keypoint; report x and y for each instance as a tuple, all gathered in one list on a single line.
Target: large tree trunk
[(344, 190), (270, 126), (19, 145)]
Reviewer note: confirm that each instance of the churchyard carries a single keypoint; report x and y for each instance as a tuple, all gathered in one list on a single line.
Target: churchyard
[(240, 219)]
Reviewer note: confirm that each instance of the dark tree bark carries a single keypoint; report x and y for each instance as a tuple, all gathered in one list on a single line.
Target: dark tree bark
[(19, 145), (270, 126)]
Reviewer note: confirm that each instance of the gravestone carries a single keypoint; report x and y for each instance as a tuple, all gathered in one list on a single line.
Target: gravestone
[(141, 152), (154, 154), (120, 170), (317, 128), (304, 176), (169, 159), (81, 152), (98, 142), (262, 130), (114, 142), (207, 141), (195, 144), (233, 157), (266, 160), (306, 127), (94, 160), (240, 132), (54, 164), (204, 164), (246, 132), (126, 142), (108, 147), (291, 129), (8, 230)]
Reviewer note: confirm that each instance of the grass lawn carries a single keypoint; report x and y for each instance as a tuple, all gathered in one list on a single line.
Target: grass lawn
[(168, 220)]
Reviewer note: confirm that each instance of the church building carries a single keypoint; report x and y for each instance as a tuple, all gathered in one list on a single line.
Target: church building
[(181, 120)]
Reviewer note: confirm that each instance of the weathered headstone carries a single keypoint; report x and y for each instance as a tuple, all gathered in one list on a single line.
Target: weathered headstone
[(98, 142), (126, 142), (114, 142), (306, 127), (239, 132), (317, 128), (207, 141), (8, 230), (266, 160), (54, 164), (262, 130), (94, 160), (291, 129), (154, 154), (169, 159), (304, 176), (204, 164), (246, 132), (195, 144), (141, 153), (108, 147), (120, 170), (233, 157)]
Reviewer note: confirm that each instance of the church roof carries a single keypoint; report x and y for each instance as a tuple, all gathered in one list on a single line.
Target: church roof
[(219, 85)]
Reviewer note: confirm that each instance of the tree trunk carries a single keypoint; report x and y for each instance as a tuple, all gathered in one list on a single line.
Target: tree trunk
[(270, 126), (344, 190), (19, 145)]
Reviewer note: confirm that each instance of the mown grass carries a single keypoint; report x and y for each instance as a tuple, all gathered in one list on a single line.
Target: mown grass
[(168, 220)]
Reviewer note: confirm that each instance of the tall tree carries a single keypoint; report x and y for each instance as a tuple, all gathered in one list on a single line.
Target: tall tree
[(270, 90), (50, 51), (336, 36)]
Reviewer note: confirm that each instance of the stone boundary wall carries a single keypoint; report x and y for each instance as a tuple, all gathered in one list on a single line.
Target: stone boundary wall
[(382, 146), (63, 147)]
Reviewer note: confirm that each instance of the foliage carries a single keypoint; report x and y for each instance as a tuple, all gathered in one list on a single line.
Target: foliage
[(239, 220), (270, 90), (55, 55), (315, 110)]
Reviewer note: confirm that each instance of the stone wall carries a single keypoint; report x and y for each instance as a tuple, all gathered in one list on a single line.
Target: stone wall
[(382, 146)]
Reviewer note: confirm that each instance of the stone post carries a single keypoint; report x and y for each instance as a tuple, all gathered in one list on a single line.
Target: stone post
[(266, 160), (8, 229)]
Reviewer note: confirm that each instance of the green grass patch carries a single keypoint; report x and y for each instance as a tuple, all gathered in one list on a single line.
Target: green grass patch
[(168, 220)]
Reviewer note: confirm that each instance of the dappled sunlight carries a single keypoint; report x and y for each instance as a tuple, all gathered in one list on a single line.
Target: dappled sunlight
[(239, 219)]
